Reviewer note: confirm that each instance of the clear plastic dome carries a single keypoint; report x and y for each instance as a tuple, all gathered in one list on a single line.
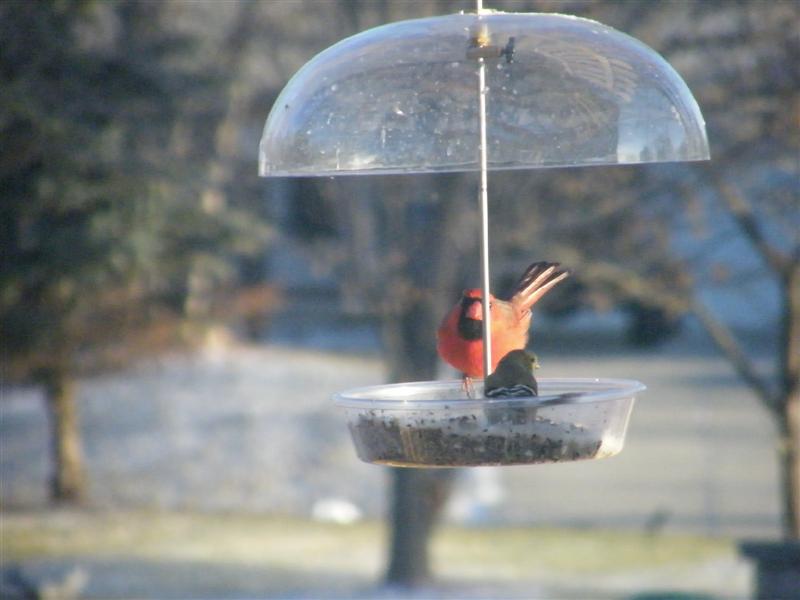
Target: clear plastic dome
[(403, 98)]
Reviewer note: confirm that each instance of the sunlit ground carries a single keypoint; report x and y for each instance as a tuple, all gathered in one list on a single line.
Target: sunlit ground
[(147, 554)]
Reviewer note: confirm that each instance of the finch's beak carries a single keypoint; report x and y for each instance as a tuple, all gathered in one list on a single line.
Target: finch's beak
[(474, 311)]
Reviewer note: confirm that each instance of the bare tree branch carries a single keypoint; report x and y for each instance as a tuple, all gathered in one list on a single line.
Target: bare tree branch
[(743, 213), (727, 344), (631, 284)]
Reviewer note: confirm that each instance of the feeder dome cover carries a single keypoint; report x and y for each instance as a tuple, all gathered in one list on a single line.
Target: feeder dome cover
[(403, 98)]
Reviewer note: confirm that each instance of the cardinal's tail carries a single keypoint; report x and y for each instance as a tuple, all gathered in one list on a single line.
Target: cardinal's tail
[(536, 281)]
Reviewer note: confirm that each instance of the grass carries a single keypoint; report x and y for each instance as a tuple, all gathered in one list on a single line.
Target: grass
[(521, 553), (285, 542), (166, 536), (152, 554)]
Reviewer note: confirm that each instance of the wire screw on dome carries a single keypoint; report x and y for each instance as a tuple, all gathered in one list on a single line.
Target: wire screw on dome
[(480, 47)]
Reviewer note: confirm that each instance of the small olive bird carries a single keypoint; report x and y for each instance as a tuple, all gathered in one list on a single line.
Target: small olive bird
[(513, 377)]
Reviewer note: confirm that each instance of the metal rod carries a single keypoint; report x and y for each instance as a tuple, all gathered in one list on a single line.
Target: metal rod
[(483, 196)]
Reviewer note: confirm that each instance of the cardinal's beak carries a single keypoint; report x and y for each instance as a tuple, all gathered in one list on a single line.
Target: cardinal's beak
[(474, 311)]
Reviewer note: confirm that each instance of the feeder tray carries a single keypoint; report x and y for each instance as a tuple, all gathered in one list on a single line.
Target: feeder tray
[(434, 424), (477, 92)]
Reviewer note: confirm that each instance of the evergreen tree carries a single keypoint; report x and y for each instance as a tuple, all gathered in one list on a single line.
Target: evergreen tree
[(103, 223)]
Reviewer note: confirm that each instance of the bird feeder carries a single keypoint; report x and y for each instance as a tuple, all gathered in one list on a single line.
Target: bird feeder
[(483, 91)]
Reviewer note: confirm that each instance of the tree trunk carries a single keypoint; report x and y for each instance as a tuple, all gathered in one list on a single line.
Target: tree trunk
[(417, 495), (789, 409), (789, 465), (68, 479)]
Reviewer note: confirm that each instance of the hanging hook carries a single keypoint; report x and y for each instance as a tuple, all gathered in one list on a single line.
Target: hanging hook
[(480, 45)]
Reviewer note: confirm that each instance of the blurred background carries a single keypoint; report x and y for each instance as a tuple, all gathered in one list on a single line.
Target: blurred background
[(173, 327)]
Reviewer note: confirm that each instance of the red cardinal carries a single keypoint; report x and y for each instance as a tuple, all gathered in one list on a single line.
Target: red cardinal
[(460, 336)]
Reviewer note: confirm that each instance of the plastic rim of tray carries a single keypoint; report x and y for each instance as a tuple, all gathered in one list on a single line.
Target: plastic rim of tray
[(435, 424)]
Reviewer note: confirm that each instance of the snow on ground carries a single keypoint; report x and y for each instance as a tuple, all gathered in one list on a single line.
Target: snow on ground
[(243, 428), (253, 429)]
